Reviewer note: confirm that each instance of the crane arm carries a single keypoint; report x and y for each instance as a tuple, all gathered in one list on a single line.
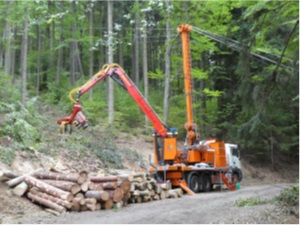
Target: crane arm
[(117, 74), (190, 126)]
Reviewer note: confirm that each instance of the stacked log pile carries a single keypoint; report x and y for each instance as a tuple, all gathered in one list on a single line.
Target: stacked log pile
[(144, 188), (80, 191)]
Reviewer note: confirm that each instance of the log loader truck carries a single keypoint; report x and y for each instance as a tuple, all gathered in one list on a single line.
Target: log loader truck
[(196, 167)]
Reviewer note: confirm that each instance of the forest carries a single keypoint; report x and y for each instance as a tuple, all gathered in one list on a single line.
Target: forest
[(244, 54)]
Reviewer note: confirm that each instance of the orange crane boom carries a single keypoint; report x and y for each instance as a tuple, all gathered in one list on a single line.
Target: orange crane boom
[(190, 126)]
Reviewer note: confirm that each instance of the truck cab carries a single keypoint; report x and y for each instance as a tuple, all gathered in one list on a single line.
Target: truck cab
[(233, 161)]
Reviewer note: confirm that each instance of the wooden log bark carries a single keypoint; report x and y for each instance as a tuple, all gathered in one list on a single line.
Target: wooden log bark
[(79, 195), (107, 204), (101, 196), (116, 195), (164, 194), (178, 191), (48, 188), (172, 194), (91, 206), (110, 185), (125, 185), (104, 179), (128, 177), (13, 182), (69, 186), (98, 187), (20, 189), (59, 201), (46, 202), (145, 193), (79, 178), (166, 186), (8, 174)]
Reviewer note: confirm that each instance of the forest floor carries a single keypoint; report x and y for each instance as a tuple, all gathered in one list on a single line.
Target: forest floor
[(259, 182)]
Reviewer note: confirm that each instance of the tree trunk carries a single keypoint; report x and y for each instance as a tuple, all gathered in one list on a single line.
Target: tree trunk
[(59, 62), (8, 48), (79, 178), (107, 204), (59, 201), (72, 48), (69, 186), (46, 202), (116, 195), (48, 188), (101, 196), (91, 64), (24, 48), (38, 59), (20, 189), (19, 179), (167, 66), (136, 47), (110, 60), (145, 70), (104, 179)]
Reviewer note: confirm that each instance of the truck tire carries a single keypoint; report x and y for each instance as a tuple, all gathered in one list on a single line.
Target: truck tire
[(206, 183), (193, 182), (237, 175)]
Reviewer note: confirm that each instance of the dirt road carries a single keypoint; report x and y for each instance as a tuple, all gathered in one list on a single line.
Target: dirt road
[(203, 208)]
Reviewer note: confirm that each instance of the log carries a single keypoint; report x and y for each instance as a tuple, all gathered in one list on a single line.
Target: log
[(145, 193), (48, 188), (128, 177), (79, 200), (79, 195), (8, 174), (118, 205), (107, 204), (91, 185), (98, 187), (59, 201), (69, 186), (90, 201), (125, 185), (172, 194), (91, 206), (20, 189), (46, 202), (84, 187), (98, 206), (166, 186), (103, 179), (164, 194), (13, 182), (138, 199), (178, 191), (79, 178), (156, 197), (146, 198), (101, 196), (141, 175), (157, 189), (110, 185), (116, 195), (75, 206)]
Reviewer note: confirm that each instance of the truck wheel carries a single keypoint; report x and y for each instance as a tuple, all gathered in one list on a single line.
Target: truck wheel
[(194, 182), (206, 183)]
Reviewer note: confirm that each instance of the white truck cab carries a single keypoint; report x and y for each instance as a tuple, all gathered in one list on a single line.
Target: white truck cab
[(233, 161)]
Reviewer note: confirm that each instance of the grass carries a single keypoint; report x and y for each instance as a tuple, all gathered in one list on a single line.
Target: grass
[(252, 201)]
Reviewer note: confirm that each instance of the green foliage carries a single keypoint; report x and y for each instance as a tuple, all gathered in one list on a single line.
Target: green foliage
[(247, 202), (20, 122), (289, 196), (6, 155)]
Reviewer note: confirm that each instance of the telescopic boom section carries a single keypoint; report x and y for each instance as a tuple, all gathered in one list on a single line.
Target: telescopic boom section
[(184, 30), (118, 75)]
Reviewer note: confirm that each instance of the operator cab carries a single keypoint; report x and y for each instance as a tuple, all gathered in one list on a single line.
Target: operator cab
[(233, 160)]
